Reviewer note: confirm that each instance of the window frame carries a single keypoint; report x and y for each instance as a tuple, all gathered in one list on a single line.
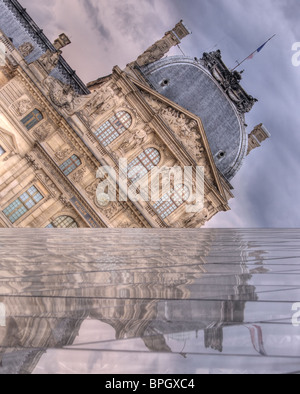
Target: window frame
[(72, 159), (114, 134), (65, 217), (38, 121), (143, 162), (168, 198), (23, 204)]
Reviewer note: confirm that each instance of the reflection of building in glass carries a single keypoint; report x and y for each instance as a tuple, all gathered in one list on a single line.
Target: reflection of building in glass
[(186, 295), (169, 294)]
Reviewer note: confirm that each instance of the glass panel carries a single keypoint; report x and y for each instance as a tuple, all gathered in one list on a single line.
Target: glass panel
[(70, 165), (23, 204), (32, 119), (218, 301), (63, 222), (171, 201), (143, 164), (113, 128)]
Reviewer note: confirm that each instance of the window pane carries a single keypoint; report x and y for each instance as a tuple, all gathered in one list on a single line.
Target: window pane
[(2, 151), (23, 204), (113, 128), (70, 165), (63, 222), (171, 201), (32, 119), (143, 164)]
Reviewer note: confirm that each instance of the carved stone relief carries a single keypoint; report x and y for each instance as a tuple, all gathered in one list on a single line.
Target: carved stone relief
[(157, 50), (78, 176), (63, 95), (26, 49), (104, 100), (63, 154), (111, 209), (22, 106), (49, 60), (184, 128), (133, 140), (42, 132)]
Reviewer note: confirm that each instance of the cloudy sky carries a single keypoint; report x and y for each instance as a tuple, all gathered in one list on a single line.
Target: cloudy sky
[(106, 33)]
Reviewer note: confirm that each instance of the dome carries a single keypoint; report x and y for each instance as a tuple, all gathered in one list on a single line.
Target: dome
[(191, 84)]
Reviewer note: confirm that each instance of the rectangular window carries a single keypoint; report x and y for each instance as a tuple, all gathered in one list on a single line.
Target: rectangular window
[(32, 119), (70, 165), (2, 151), (23, 204)]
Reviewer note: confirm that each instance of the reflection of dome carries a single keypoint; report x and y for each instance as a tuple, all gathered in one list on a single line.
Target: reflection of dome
[(180, 336), (189, 83)]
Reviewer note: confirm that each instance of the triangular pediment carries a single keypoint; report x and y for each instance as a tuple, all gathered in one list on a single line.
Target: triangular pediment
[(188, 129)]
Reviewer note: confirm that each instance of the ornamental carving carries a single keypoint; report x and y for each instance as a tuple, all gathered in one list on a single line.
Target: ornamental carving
[(91, 190), (229, 81), (22, 106), (26, 49), (49, 60), (135, 139), (78, 176), (104, 100), (111, 210), (157, 50), (63, 95), (41, 133), (184, 127), (63, 154)]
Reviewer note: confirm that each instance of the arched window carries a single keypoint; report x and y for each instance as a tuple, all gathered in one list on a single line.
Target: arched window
[(63, 222), (70, 165), (32, 119), (23, 204), (143, 164), (171, 201), (113, 128)]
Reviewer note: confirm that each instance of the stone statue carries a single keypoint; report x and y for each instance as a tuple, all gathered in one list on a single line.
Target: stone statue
[(102, 102), (136, 139), (154, 53), (50, 60), (26, 49), (61, 94)]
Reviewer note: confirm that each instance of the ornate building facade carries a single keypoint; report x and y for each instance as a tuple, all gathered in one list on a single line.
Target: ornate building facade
[(163, 113)]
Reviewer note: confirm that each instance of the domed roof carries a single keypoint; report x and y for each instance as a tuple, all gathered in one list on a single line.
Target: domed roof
[(189, 83)]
